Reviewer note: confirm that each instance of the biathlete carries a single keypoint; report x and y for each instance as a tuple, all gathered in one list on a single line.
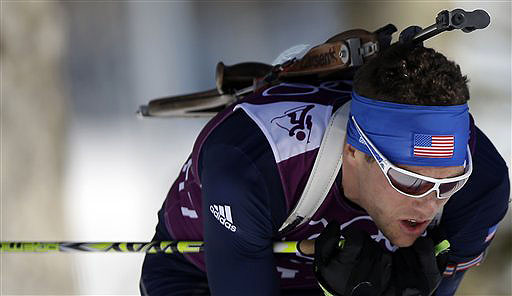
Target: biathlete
[(416, 203)]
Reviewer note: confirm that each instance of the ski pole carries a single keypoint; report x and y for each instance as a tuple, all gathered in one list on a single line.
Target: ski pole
[(130, 247)]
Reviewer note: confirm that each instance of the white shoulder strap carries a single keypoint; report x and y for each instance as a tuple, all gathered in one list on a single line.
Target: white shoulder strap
[(325, 169)]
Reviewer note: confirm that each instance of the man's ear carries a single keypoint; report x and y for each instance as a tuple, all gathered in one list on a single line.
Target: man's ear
[(349, 153)]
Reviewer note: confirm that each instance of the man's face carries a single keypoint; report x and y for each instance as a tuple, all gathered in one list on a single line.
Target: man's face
[(365, 184)]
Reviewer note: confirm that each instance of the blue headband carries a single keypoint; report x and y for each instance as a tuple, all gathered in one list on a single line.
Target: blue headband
[(411, 134)]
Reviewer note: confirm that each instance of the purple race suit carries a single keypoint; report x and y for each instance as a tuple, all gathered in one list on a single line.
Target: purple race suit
[(293, 117)]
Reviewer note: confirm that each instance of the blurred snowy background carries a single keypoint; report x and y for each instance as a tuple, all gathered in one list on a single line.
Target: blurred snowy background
[(77, 164)]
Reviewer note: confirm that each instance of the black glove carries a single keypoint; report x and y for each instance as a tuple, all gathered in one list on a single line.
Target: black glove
[(355, 266), (416, 269)]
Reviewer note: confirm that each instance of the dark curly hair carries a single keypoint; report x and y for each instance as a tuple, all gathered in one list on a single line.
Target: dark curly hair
[(412, 75)]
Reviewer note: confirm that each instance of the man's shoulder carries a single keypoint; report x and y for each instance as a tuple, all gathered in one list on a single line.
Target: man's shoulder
[(236, 130), (240, 133), (237, 126), (473, 213), (488, 185), (487, 158)]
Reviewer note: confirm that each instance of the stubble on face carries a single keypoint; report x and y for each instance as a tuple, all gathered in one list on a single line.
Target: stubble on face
[(387, 207), (384, 206)]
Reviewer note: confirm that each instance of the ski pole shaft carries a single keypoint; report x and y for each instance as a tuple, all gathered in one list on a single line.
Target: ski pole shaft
[(123, 247)]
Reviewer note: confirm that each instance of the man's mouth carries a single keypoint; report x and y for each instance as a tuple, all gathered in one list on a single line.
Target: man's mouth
[(413, 226)]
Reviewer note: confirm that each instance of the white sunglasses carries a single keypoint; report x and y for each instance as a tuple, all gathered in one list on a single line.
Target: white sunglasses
[(412, 184)]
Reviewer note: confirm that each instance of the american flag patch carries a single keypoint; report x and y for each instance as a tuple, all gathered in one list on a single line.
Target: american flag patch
[(430, 146)]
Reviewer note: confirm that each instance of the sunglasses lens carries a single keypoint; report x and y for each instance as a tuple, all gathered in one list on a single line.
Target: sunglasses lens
[(448, 189), (408, 184)]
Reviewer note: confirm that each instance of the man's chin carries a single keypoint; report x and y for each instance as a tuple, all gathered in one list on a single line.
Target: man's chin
[(398, 237), (404, 241), (403, 244)]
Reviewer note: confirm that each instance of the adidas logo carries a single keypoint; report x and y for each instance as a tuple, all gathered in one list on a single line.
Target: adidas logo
[(223, 214)]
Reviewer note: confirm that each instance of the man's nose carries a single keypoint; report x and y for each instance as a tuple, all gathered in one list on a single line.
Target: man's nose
[(428, 205)]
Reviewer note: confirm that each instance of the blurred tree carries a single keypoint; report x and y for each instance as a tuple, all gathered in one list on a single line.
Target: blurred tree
[(33, 125)]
